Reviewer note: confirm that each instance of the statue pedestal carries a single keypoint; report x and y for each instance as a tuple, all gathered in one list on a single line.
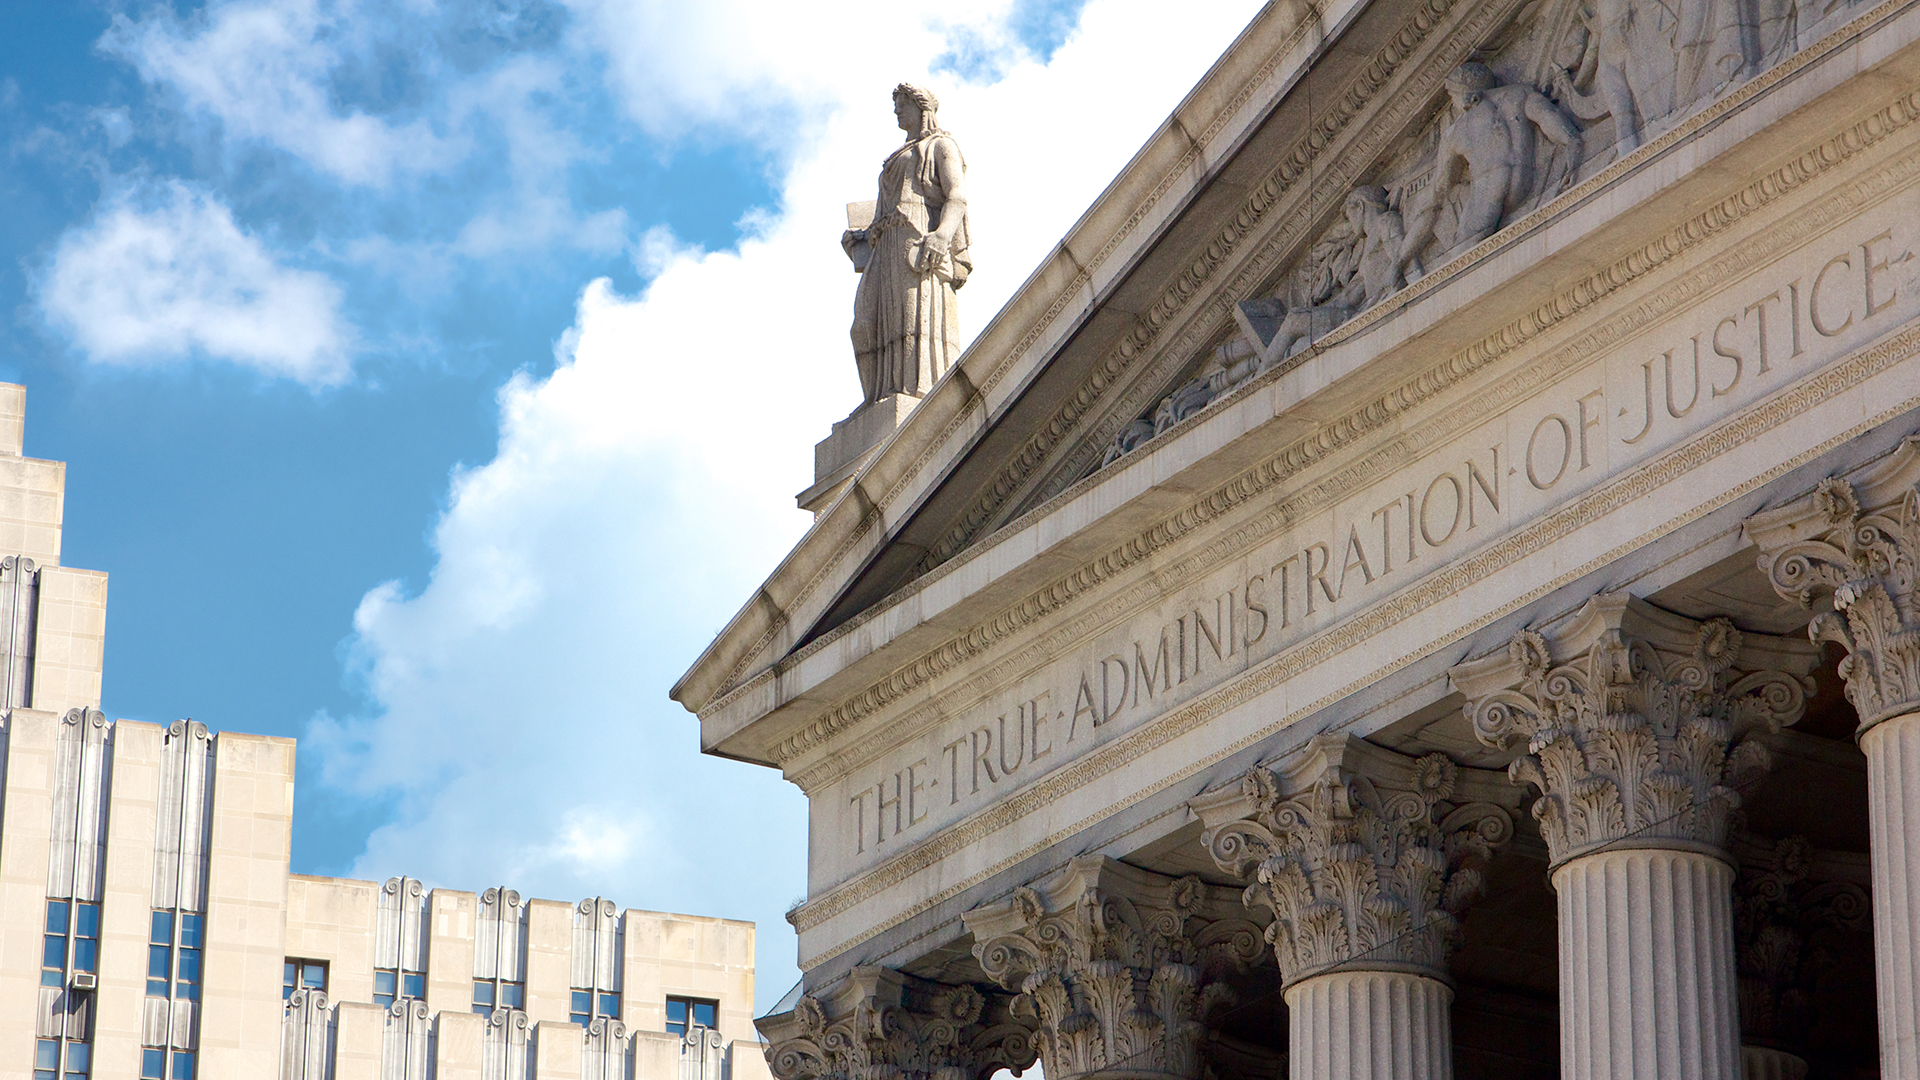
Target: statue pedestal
[(838, 456)]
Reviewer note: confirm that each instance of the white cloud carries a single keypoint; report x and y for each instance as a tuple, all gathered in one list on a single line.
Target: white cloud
[(265, 70), (163, 273), (641, 491)]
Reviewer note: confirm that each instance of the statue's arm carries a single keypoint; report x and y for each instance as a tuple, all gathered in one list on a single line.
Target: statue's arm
[(1557, 126), (952, 173)]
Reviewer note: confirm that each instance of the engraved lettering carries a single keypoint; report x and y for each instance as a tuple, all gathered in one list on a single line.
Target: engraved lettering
[(980, 761), (1813, 298), (1565, 452), (1319, 575), (1110, 702), (1356, 555), (1250, 637), (1646, 383), (1866, 257), (1476, 481), (1162, 669), (1759, 311), (1589, 422), (1426, 504)]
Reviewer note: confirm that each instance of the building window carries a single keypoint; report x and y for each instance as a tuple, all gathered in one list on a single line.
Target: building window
[(303, 975), (153, 1064), (69, 925), (174, 960), (491, 994), (682, 1012), (390, 985), (48, 1066), (587, 1005)]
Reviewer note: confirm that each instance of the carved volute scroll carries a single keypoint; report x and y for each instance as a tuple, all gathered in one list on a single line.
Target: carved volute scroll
[(1635, 722), (1120, 966), (880, 1024), (1854, 541), (1363, 855)]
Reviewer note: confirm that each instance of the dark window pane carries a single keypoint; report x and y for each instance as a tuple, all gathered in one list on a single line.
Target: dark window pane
[(79, 1057), (287, 974), (513, 995), (189, 966), (703, 1013), (86, 954), (190, 928), (153, 1064), (416, 984), (610, 1005), (156, 988), (314, 976), (182, 1065), (677, 1012), (187, 991), (56, 916), (383, 1000), (45, 1074), (52, 978), (46, 1054), (582, 1011), (483, 993), (54, 953), (162, 928), (87, 920), (385, 982), (159, 959)]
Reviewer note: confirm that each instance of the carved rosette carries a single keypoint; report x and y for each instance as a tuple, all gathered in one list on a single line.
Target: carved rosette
[(879, 1024), (1120, 967), (1361, 854), (1636, 722), (1856, 542)]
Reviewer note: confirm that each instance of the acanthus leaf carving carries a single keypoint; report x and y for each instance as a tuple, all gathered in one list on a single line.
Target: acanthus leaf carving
[(1364, 857), (879, 1024), (1856, 542), (1120, 968), (1636, 722)]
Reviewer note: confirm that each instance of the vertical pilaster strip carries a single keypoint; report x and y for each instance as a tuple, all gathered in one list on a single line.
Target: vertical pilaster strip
[(1893, 814), (1647, 951), (1370, 1025)]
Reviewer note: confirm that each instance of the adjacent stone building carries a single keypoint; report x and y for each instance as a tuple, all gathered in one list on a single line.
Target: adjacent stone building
[(1420, 582), (149, 927)]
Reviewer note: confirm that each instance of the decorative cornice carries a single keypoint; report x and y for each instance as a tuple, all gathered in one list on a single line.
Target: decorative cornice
[(1119, 966), (1636, 722), (1364, 856), (1856, 542), (1383, 411), (880, 1024)]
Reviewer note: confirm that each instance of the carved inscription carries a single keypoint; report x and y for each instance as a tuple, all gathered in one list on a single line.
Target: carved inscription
[(1635, 402)]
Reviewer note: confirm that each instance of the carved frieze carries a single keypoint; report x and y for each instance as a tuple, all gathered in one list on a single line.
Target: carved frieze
[(1635, 721), (1568, 89), (1365, 857), (1120, 967), (880, 1024), (1855, 542)]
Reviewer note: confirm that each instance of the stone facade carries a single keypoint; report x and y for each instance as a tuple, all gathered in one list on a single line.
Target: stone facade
[(149, 926), (1453, 488)]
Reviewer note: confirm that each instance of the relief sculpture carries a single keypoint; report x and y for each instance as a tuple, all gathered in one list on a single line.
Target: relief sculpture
[(1565, 90)]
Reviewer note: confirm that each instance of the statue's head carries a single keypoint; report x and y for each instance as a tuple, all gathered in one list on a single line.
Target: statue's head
[(1468, 82), (914, 107), (1364, 198)]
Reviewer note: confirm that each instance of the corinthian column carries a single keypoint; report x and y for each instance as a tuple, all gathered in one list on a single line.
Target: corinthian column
[(1634, 724), (1854, 542), (1119, 966), (1365, 861), (880, 1024)]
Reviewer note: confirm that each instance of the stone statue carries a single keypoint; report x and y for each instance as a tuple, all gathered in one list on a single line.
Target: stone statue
[(1490, 147), (905, 322), (1352, 268)]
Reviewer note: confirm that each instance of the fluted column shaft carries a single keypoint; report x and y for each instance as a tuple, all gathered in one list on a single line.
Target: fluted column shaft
[(1370, 1025), (1646, 967), (1893, 814)]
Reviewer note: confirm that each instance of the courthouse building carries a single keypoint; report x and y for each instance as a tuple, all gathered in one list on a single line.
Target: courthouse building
[(149, 926), (1422, 581)]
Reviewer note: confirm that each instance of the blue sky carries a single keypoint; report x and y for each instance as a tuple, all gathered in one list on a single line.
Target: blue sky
[(435, 378)]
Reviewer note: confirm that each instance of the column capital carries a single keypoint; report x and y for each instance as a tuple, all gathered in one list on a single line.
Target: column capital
[(1779, 897), (1119, 965), (1365, 857), (1856, 539), (881, 1024), (1635, 721)]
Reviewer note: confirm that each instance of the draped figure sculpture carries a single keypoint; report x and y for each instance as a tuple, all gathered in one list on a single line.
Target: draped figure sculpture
[(911, 258)]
